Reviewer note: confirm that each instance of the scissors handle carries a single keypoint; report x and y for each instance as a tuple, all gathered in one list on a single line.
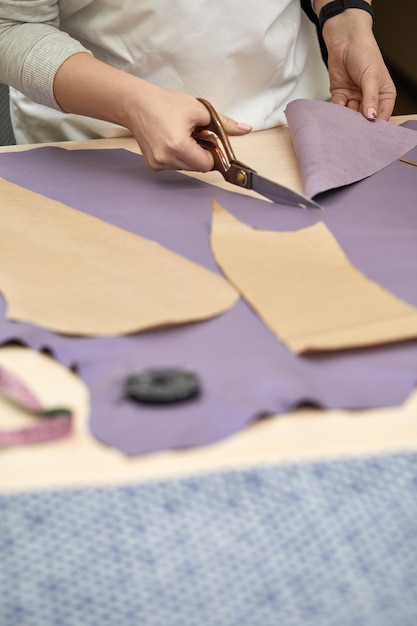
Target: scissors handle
[(213, 138)]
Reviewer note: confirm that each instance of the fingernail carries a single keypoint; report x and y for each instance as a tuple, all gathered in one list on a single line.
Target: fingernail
[(372, 114), (244, 126)]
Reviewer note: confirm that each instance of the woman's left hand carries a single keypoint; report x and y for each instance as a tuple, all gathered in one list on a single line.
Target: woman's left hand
[(359, 78)]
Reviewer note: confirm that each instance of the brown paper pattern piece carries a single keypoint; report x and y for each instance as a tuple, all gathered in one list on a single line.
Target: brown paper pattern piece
[(304, 288), (75, 274)]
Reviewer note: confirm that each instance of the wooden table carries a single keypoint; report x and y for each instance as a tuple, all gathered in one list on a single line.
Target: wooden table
[(303, 434)]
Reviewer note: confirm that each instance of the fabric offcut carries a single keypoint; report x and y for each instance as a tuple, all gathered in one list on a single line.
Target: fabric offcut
[(309, 544), (336, 146), (244, 370)]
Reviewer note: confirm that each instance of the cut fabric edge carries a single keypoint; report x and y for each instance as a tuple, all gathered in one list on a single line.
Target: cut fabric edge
[(301, 135)]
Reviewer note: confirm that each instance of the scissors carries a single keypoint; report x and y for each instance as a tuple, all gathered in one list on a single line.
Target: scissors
[(213, 138)]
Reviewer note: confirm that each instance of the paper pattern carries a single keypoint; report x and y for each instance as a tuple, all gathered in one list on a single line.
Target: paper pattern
[(244, 370), (305, 289), (75, 274)]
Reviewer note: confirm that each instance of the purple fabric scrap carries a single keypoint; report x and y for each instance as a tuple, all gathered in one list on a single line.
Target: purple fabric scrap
[(336, 146), (244, 370)]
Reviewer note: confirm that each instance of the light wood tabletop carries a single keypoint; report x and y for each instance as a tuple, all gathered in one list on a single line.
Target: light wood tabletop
[(298, 436)]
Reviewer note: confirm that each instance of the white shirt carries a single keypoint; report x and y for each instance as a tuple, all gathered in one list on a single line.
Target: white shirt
[(248, 58)]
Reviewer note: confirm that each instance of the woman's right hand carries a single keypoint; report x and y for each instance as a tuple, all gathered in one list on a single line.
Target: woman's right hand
[(163, 125), (161, 120)]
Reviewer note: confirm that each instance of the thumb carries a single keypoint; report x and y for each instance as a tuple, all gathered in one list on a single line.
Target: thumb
[(232, 127)]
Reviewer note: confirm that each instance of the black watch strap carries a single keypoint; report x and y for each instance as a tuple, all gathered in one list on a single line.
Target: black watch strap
[(338, 6)]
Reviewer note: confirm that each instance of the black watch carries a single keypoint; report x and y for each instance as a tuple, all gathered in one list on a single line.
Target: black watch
[(338, 6)]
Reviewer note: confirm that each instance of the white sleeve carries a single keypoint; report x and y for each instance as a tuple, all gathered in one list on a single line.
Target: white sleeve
[(32, 48)]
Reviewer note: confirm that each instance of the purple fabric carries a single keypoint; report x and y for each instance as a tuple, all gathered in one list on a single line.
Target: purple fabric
[(330, 156), (245, 371)]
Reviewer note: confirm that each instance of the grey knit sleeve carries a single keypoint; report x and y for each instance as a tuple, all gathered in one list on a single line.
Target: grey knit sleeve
[(32, 47)]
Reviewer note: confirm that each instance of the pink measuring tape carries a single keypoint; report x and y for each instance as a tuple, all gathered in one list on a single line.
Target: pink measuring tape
[(54, 423)]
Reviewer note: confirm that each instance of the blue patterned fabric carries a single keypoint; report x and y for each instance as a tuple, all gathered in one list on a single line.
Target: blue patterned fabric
[(323, 544)]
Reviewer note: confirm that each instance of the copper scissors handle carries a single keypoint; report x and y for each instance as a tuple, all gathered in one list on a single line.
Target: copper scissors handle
[(213, 138)]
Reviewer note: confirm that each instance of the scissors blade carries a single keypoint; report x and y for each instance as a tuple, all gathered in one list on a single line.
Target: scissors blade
[(280, 194)]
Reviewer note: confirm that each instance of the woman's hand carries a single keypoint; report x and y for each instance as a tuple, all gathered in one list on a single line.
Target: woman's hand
[(358, 76), (163, 124)]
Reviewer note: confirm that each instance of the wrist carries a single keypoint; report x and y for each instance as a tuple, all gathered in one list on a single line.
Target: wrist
[(340, 22)]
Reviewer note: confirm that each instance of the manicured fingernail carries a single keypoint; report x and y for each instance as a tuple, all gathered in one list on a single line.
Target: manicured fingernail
[(372, 114), (243, 126)]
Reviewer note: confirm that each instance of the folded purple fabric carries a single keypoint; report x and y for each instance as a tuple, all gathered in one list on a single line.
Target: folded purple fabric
[(336, 146), (244, 370)]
